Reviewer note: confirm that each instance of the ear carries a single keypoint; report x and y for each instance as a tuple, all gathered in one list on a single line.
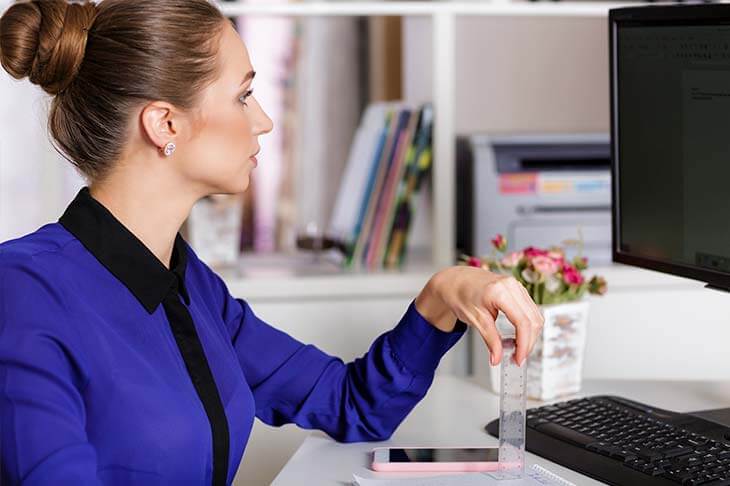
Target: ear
[(161, 123)]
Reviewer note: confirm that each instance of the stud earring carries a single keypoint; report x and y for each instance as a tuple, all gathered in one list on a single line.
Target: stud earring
[(169, 148)]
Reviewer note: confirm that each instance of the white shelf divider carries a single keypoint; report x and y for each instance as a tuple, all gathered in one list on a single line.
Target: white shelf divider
[(622, 279), (443, 176)]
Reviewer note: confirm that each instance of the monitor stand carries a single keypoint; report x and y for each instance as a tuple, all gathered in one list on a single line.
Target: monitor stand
[(720, 288), (719, 416)]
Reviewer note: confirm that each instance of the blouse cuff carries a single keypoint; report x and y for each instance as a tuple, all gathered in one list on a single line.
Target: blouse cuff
[(419, 345)]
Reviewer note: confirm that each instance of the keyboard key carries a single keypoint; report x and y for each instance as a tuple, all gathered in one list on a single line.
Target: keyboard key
[(689, 461), (652, 470), (623, 455), (646, 454), (675, 451), (566, 434), (533, 422), (697, 441)]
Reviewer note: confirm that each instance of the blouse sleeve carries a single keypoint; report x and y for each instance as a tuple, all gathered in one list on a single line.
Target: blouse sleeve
[(42, 414), (363, 400)]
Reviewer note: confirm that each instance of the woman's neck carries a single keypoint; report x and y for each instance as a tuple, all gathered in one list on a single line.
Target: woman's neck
[(152, 209)]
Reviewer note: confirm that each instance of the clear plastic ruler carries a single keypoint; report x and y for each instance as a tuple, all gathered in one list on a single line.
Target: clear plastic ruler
[(513, 389)]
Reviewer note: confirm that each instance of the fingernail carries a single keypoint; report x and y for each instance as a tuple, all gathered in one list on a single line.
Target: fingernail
[(491, 359)]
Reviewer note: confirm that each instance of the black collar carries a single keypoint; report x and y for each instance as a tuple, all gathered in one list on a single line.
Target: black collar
[(123, 254)]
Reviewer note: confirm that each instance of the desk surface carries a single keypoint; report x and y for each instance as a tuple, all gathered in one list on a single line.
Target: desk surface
[(454, 413)]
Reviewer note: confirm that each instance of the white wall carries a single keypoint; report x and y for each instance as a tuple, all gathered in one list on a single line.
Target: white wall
[(652, 326), (655, 326), (36, 184), (517, 74)]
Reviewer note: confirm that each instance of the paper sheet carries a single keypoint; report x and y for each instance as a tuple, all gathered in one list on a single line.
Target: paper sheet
[(534, 476)]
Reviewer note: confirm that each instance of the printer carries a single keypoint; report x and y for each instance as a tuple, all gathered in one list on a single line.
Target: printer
[(540, 190)]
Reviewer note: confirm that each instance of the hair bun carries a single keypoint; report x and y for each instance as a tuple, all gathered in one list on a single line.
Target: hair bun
[(45, 40)]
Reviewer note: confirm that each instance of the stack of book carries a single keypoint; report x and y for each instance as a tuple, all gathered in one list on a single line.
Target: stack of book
[(389, 158)]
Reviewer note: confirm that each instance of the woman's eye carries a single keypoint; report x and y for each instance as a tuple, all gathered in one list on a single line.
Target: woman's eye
[(244, 96)]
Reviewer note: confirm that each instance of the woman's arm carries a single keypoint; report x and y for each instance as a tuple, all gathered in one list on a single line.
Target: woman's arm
[(363, 400), (369, 397), (42, 413)]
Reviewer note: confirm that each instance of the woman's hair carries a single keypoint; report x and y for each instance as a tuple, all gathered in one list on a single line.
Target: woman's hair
[(99, 62)]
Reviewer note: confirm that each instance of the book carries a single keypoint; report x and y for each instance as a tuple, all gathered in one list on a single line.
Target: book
[(380, 170), (419, 163), (358, 176), (384, 199), (388, 157)]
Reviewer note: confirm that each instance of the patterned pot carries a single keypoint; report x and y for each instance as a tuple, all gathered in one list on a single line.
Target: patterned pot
[(555, 367)]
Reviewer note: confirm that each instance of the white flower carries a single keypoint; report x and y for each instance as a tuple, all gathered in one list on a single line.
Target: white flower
[(530, 276), (552, 284)]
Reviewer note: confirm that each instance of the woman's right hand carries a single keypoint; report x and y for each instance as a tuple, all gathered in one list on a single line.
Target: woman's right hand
[(475, 296)]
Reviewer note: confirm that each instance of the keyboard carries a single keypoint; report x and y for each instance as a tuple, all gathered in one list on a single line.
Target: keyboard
[(622, 442)]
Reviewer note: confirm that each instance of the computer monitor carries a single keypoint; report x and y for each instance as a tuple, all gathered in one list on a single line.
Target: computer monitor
[(670, 139)]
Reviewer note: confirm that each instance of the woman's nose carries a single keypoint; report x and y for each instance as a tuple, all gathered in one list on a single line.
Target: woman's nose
[(263, 122)]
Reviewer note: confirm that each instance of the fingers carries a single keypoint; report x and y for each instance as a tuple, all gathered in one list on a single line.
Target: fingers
[(484, 323), (488, 330), (531, 309), (515, 305)]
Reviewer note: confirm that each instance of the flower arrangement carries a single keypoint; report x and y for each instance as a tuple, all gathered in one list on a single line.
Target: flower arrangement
[(546, 273)]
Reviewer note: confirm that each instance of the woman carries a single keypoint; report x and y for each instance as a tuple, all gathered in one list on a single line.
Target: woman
[(123, 358)]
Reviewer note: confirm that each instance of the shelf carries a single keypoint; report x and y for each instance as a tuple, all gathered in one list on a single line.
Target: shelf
[(284, 277), (444, 16), (320, 282), (497, 8), (328, 288), (288, 278)]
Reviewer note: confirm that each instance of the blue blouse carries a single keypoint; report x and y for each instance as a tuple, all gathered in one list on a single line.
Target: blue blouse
[(116, 370)]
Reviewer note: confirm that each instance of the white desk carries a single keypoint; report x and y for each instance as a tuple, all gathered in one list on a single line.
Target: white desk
[(454, 413)]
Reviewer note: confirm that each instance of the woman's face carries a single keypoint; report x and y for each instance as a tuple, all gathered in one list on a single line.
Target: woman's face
[(217, 156)]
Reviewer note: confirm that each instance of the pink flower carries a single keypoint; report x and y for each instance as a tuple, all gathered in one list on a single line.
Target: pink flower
[(474, 262), (545, 265), (499, 242), (556, 255), (532, 252), (571, 275), (512, 259)]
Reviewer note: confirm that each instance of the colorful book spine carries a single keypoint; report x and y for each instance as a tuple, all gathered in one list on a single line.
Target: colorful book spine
[(387, 154), (349, 258), (385, 222), (415, 175), (376, 203), (386, 194)]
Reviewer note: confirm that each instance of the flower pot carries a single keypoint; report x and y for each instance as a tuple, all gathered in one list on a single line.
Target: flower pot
[(555, 367)]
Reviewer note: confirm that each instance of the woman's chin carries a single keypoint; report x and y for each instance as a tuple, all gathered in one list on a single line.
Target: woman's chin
[(243, 183)]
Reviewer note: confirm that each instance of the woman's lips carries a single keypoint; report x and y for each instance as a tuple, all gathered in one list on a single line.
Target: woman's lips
[(254, 160)]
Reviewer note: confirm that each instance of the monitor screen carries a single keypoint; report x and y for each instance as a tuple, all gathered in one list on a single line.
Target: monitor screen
[(670, 110)]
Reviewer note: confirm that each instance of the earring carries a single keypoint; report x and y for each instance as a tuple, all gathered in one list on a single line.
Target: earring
[(169, 148)]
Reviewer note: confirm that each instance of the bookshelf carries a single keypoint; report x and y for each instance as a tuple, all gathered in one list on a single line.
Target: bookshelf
[(443, 16)]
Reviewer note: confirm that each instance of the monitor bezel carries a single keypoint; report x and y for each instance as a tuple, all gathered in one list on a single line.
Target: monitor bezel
[(654, 15)]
